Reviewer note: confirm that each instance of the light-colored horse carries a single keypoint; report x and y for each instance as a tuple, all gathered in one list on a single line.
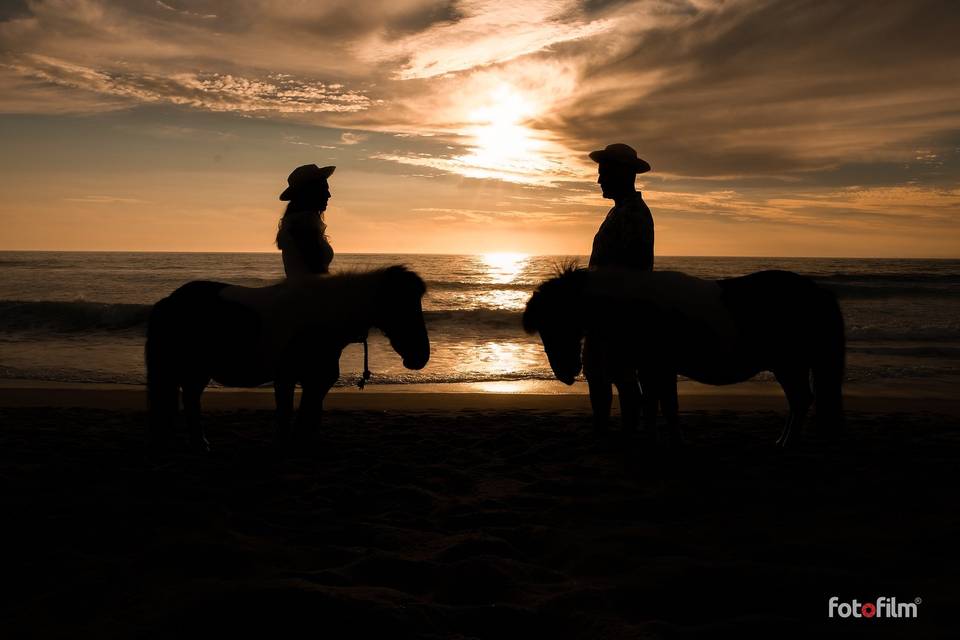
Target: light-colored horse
[(661, 323), (286, 333)]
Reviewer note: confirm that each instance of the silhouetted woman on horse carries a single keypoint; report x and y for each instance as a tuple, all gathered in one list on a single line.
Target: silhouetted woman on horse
[(302, 232), (286, 333)]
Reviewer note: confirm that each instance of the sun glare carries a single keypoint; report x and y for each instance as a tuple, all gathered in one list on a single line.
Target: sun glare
[(503, 268), (501, 145)]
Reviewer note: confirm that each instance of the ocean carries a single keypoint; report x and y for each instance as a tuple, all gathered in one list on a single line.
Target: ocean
[(80, 317)]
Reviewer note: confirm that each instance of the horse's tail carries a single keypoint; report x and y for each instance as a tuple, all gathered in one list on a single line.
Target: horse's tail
[(163, 390), (829, 355)]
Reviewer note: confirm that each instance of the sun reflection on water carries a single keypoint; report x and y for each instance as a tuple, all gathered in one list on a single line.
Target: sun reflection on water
[(503, 268), (500, 357), (504, 299)]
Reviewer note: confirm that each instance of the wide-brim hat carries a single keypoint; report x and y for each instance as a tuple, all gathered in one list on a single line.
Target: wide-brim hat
[(621, 154), (306, 179)]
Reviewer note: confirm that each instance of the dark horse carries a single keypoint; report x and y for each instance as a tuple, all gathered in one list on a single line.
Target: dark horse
[(658, 324), (285, 333)]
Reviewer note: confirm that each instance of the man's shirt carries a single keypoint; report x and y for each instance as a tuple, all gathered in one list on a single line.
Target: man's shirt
[(625, 239)]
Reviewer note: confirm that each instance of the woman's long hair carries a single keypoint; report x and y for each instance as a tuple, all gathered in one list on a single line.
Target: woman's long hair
[(303, 222)]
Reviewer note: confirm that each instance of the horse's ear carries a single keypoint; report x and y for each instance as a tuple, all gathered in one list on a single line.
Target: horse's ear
[(533, 313)]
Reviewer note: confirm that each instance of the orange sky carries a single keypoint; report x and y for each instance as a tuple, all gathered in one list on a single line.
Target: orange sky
[(773, 128)]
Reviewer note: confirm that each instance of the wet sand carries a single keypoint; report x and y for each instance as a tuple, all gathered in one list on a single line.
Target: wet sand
[(473, 516)]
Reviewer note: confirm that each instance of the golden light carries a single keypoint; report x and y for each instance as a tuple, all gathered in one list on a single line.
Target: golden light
[(500, 357), (501, 146), (503, 268), (503, 386)]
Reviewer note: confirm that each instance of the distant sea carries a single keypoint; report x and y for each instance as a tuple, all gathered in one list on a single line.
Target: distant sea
[(80, 317)]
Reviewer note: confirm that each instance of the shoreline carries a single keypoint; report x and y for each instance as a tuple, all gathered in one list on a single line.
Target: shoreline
[(745, 397)]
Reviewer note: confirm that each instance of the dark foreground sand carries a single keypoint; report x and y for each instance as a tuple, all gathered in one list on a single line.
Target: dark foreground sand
[(481, 523)]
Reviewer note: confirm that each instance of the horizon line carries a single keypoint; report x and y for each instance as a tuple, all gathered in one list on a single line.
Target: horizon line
[(485, 253)]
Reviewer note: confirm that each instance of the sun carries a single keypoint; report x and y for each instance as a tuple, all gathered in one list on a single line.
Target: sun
[(501, 145)]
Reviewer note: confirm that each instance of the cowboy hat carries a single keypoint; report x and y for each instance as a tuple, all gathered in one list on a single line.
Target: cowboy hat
[(621, 154), (305, 179)]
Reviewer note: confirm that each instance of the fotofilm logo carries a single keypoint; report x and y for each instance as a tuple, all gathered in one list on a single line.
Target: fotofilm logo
[(882, 607)]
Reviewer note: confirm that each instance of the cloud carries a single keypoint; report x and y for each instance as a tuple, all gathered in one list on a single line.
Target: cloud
[(348, 138), (547, 173), (489, 32), (774, 88), (100, 199), (208, 91), (519, 216), (302, 143), (870, 210), (776, 91), (204, 16), (903, 204)]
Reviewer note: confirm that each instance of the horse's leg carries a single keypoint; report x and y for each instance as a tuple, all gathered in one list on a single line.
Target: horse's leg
[(670, 405), (283, 389), (601, 399), (629, 390), (795, 382), (649, 401), (163, 405), (192, 391), (315, 388), (598, 383)]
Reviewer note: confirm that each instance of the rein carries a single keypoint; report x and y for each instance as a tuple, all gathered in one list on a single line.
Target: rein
[(362, 380)]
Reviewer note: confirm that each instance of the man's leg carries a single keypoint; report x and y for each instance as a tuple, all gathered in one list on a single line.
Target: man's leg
[(598, 382)]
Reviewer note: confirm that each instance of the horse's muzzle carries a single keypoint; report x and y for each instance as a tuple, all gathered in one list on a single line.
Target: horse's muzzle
[(416, 363)]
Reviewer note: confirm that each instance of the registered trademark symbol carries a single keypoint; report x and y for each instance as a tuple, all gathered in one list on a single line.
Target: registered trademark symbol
[(918, 600)]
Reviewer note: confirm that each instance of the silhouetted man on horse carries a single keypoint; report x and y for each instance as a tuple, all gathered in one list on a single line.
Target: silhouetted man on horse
[(624, 240)]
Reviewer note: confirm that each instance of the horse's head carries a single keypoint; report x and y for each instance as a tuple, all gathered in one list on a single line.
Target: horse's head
[(399, 314), (554, 311)]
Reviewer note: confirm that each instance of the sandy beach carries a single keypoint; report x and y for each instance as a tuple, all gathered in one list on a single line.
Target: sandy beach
[(468, 515)]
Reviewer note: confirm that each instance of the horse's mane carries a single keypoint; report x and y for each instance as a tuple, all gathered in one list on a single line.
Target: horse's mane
[(400, 277), (394, 278), (564, 267), (544, 301)]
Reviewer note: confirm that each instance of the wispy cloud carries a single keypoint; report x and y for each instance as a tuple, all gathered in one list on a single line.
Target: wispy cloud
[(303, 143), (449, 214), (101, 199), (208, 91), (349, 137), (489, 32), (185, 12)]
